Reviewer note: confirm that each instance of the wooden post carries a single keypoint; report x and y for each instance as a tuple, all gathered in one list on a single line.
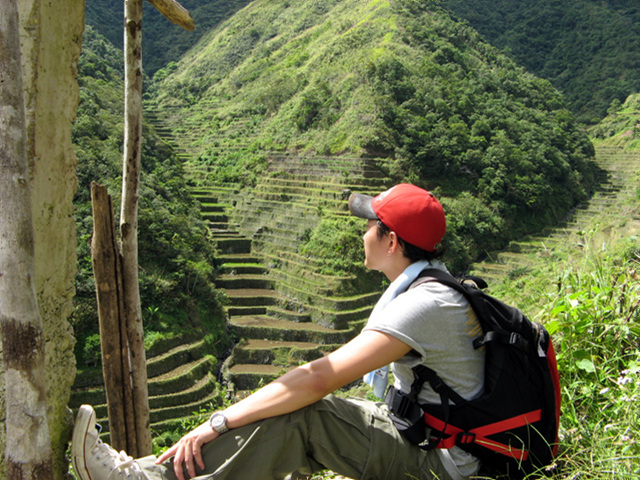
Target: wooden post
[(107, 271), (129, 219)]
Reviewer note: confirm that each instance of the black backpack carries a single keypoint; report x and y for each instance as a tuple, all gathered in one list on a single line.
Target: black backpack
[(513, 426)]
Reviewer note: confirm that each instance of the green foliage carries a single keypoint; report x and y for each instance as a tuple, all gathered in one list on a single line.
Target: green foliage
[(167, 438), (91, 353), (473, 229), (587, 49), (588, 297), (621, 127), (594, 317), (99, 60), (338, 243), (198, 418), (175, 253)]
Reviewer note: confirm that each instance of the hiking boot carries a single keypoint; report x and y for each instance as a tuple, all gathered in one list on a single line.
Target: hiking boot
[(94, 460)]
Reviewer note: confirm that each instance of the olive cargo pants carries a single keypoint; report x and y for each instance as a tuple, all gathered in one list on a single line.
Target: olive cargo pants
[(352, 437)]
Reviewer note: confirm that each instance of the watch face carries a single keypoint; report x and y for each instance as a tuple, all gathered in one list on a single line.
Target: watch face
[(218, 422)]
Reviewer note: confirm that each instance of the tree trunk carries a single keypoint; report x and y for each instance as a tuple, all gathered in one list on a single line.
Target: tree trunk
[(28, 447), (116, 369), (129, 218)]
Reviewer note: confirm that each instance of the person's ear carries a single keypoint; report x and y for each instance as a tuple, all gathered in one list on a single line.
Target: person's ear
[(392, 243)]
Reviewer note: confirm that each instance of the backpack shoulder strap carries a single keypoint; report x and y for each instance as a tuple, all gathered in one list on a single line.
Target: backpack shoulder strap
[(437, 275), (471, 287), (423, 374), (462, 285)]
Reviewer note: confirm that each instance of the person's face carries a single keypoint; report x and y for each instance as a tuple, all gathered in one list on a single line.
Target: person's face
[(375, 248)]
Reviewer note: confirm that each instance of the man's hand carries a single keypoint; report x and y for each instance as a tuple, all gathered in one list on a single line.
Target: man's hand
[(188, 449)]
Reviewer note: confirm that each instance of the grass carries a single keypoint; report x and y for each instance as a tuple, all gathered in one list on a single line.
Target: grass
[(594, 315), (590, 303)]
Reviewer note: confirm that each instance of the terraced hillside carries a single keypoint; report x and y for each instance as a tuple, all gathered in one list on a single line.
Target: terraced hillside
[(181, 382), (283, 311), (609, 202), (280, 308)]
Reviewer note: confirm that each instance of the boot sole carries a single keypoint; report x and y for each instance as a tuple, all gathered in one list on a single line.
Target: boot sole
[(85, 420)]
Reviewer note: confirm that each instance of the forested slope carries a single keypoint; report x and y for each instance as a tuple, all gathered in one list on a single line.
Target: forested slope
[(588, 49), (398, 81), (162, 42)]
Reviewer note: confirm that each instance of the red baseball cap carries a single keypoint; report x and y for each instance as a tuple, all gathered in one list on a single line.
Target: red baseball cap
[(412, 212)]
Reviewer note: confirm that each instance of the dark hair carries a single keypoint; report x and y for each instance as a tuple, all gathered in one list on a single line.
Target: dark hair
[(409, 250)]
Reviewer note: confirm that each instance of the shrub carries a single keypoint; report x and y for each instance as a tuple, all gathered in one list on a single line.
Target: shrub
[(91, 351)]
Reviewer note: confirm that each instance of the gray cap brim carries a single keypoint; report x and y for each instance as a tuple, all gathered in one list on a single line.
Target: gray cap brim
[(360, 206)]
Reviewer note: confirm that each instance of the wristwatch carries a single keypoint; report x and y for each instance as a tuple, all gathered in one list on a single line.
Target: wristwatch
[(218, 422)]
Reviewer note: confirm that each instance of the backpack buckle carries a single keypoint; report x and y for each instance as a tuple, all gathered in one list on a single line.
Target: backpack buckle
[(465, 438), (399, 403), (402, 407)]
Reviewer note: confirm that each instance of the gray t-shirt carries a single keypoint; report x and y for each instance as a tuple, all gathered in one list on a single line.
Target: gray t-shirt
[(440, 326)]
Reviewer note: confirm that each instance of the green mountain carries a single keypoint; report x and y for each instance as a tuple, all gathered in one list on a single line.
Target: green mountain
[(162, 42), (588, 49), (278, 109), (400, 82)]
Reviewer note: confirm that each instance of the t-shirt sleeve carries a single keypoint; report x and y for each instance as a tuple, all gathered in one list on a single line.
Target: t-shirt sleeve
[(405, 318), (440, 326)]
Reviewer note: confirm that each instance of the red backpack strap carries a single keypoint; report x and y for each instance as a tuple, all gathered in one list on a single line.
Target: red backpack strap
[(458, 436), (555, 376)]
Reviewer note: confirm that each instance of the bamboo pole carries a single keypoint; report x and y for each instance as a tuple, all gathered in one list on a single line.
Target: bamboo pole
[(175, 13), (129, 219)]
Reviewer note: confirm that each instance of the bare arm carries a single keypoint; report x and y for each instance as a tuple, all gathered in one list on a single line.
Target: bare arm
[(296, 389)]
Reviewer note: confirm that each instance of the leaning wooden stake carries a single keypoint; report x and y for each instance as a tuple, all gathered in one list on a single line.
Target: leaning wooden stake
[(129, 219), (107, 271)]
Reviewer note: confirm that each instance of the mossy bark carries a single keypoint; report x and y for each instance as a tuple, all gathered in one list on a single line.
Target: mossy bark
[(50, 43)]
